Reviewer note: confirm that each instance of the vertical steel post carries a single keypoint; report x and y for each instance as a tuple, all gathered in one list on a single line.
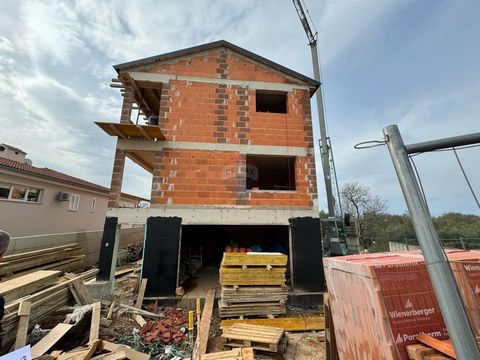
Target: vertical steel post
[(324, 151), (439, 270)]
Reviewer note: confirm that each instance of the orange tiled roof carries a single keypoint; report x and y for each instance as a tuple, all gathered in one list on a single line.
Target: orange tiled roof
[(49, 174)]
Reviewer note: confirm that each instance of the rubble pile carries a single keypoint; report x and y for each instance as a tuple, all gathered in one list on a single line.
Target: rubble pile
[(171, 328)]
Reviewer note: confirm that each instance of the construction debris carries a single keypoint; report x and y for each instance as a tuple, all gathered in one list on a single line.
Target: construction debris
[(54, 294), (252, 284), (170, 329)]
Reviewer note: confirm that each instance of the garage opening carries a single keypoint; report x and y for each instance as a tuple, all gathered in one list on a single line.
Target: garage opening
[(202, 247)]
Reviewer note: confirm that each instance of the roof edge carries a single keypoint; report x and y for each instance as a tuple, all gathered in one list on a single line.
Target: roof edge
[(213, 45)]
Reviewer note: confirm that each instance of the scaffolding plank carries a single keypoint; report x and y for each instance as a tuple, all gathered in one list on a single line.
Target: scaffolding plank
[(205, 321)]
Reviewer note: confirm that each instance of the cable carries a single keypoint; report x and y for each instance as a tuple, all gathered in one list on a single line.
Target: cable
[(363, 145), (419, 182), (466, 177)]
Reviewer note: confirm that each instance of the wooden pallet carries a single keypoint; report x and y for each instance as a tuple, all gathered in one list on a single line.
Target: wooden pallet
[(264, 338), (234, 354), (250, 309)]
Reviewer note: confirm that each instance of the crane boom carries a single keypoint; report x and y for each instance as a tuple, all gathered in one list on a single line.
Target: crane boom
[(324, 148)]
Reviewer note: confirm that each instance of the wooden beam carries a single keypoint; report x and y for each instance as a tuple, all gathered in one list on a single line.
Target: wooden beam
[(443, 346), (49, 340), (117, 131), (24, 318), (205, 322), (95, 324), (141, 294), (289, 324), (136, 158), (144, 133), (110, 310)]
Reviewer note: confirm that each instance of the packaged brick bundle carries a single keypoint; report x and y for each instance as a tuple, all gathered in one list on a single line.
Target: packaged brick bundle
[(380, 302)]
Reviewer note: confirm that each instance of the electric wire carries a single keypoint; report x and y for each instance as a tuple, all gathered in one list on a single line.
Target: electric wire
[(466, 177)]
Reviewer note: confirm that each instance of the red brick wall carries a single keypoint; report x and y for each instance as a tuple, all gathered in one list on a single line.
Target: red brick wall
[(205, 112), (218, 178), (220, 113)]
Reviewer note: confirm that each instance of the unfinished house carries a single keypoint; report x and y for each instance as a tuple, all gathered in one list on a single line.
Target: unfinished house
[(227, 136)]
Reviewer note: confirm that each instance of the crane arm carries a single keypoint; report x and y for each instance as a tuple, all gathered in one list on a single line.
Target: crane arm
[(312, 37)]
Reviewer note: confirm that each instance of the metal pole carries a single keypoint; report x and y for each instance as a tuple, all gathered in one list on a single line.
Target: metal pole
[(444, 143), (439, 270), (324, 152)]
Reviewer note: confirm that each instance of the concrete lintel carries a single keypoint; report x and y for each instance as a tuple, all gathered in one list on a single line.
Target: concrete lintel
[(260, 85), (205, 215), (134, 145)]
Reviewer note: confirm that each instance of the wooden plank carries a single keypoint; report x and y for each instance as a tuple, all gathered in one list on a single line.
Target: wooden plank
[(131, 353), (110, 310), (49, 340), (24, 285), (247, 354), (442, 346), (254, 259), (140, 320), (141, 294), (95, 324), (234, 354), (24, 318), (289, 324), (32, 253), (419, 351), (205, 320)]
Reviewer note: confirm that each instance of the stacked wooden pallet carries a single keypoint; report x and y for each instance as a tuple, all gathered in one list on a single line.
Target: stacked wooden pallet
[(252, 284), (262, 338), (46, 294), (66, 258)]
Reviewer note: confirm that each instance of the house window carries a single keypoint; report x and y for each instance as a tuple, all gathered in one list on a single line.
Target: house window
[(33, 195), (94, 204), (271, 101), (19, 193), (4, 191), (74, 202), (275, 173)]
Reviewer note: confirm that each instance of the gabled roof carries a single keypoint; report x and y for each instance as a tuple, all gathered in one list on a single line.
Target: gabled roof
[(50, 174), (214, 45)]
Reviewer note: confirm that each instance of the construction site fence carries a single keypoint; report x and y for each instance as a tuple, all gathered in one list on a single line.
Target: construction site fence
[(374, 245)]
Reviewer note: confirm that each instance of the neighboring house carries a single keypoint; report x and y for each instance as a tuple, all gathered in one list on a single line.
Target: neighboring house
[(229, 144), (38, 201)]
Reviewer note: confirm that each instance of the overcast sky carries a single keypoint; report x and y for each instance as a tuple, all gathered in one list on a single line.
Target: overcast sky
[(412, 63)]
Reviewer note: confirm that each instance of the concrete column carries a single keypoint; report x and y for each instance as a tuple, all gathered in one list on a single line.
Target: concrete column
[(119, 161)]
